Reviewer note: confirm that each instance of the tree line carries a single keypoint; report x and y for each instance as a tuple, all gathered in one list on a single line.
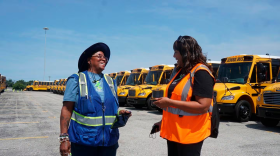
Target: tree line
[(20, 84)]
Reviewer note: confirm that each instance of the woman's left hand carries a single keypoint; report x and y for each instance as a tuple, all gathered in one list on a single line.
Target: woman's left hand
[(125, 112), (162, 102)]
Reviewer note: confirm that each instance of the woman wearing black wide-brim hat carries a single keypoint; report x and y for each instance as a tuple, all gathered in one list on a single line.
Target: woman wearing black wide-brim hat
[(90, 108)]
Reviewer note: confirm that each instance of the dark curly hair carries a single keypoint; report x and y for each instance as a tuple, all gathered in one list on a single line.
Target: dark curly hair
[(191, 54)]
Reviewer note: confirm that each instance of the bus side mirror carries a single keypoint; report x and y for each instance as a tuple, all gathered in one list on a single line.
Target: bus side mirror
[(261, 72)]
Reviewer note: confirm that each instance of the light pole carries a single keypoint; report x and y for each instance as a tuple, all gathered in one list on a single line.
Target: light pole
[(45, 49)]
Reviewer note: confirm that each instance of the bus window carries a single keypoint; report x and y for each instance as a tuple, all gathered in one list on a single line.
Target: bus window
[(278, 78), (253, 76), (165, 76), (267, 73), (215, 68)]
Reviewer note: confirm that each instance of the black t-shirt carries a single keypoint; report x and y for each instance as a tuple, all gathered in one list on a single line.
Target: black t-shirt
[(203, 84)]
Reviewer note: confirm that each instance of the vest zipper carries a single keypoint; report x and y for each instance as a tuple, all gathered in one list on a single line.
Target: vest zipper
[(103, 108)]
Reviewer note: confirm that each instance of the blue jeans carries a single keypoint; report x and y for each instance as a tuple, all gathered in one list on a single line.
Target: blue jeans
[(82, 150)]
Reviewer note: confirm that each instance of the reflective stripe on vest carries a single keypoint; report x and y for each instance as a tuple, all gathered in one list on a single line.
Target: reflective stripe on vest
[(92, 121), (185, 94), (84, 89), (83, 85), (110, 82)]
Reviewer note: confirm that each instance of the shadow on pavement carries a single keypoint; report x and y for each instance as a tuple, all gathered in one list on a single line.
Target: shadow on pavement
[(259, 126)]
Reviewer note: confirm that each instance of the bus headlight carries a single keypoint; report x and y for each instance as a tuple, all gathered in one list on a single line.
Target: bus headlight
[(230, 97), (141, 94), (122, 93)]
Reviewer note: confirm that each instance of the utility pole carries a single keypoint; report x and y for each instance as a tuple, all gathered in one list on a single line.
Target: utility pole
[(49, 78), (45, 50)]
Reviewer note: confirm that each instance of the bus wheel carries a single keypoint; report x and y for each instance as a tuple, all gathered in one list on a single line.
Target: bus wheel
[(269, 122), (243, 111), (150, 104)]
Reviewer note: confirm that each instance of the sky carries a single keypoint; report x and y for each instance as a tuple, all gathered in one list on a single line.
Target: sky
[(139, 33)]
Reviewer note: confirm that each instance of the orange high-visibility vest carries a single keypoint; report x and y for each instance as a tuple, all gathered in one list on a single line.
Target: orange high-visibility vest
[(185, 127)]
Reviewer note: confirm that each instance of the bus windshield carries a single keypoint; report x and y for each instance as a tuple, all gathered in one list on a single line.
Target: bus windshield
[(119, 79), (234, 72), (132, 79), (153, 77)]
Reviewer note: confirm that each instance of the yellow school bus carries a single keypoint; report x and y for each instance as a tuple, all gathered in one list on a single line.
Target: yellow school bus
[(136, 77), (3, 85), (28, 87), (215, 65), (64, 87), (61, 87), (40, 85), (268, 104), (55, 90), (121, 77), (240, 79), (140, 95), (49, 86), (55, 82), (113, 75)]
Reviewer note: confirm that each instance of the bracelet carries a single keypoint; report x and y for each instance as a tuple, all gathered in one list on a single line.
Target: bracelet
[(63, 134), (63, 137)]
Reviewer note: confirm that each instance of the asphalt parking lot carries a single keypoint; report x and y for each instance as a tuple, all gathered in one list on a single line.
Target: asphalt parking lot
[(29, 126)]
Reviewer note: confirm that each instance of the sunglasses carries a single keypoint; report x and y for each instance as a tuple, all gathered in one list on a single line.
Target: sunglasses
[(181, 39), (100, 57)]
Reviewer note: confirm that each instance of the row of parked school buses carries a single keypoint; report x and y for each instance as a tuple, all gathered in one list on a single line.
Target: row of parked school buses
[(3, 84), (246, 86), (56, 86)]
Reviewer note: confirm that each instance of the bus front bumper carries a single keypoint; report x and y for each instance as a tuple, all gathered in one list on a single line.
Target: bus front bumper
[(122, 99), (226, 108), (268, 113), (139, 101)]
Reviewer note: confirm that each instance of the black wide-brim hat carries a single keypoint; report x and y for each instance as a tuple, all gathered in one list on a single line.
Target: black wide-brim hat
[(83, 64)]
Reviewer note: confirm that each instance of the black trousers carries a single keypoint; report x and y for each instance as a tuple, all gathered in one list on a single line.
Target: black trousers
[(177, 149), (82, 150)]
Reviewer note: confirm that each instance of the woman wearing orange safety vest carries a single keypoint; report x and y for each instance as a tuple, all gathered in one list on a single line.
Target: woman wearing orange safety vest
[(186, 120)]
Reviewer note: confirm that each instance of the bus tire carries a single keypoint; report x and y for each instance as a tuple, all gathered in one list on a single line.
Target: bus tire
[(243, 111), (149, 104), (269, 122), (31, 89)]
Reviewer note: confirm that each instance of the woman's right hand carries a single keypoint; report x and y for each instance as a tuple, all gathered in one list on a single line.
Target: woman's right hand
[(65, 148)]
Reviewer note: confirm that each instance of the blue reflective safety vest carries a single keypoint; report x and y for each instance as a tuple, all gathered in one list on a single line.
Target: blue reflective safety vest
[(91, 119)]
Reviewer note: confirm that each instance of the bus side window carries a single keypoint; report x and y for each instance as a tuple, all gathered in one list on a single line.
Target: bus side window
[(253, 76), (215, 68), (274, 73), (278, 78), (166, 75), (267, 73), (143, 78), (125, 79)]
